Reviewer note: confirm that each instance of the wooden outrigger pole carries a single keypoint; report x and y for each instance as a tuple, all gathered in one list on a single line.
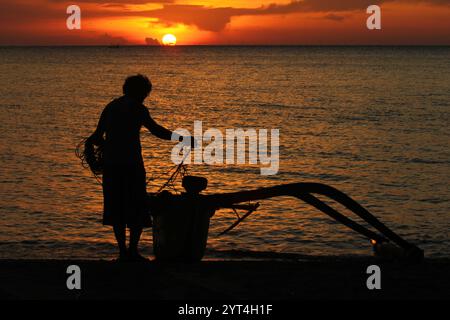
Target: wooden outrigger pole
[(202, 207), (304, 192)]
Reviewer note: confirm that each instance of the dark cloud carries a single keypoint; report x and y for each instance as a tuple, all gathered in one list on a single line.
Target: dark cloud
[(203, 17), (152, 42), (34, 20), (215, 19), (113, 2), (319, 6)]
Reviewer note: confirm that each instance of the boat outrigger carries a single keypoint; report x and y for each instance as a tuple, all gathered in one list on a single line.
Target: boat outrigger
[(181, 221)]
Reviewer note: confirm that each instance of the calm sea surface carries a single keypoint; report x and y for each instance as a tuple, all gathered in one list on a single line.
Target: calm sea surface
[(373, 122)]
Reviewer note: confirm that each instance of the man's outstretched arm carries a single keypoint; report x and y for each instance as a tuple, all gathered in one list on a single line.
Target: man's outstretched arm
[(163, 133), (156, 129)]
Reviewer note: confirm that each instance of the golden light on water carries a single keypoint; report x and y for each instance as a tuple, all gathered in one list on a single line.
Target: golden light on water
[(70, 201), (169, 40)]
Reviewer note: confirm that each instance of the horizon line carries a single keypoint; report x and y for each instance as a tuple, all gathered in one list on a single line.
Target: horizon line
[(222, 45)]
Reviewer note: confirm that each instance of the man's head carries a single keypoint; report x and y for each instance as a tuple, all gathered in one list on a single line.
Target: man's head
[(137, 87)]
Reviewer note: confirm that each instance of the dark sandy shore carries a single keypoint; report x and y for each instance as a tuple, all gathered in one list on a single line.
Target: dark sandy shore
[(312, 278)]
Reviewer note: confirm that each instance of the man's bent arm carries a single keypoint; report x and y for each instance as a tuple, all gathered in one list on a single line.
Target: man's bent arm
[(156, 129)]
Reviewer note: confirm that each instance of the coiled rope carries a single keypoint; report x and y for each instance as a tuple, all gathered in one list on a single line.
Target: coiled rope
[(91, 156)]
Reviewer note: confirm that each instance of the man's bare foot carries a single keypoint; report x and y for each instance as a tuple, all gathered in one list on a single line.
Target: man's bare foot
[(136, 257), (123, 257)]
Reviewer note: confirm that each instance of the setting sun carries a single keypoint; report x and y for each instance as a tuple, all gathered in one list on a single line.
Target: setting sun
[(169, 40)]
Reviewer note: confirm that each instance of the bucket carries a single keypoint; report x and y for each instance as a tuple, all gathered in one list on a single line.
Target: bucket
[(180, 226)]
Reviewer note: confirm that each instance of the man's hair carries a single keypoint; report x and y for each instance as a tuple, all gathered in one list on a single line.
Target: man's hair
[(137, 86)]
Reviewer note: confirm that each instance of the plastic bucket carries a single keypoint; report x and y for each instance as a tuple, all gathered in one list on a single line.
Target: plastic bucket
[(180, 227)]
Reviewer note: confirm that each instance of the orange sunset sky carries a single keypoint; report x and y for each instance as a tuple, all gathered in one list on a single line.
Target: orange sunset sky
[(307, 22)]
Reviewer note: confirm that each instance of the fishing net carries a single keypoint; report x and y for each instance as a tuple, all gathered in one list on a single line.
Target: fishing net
[(91, 155)]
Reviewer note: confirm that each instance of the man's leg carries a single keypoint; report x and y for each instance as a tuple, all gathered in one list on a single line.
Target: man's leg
[(120, 233), (135, 236)]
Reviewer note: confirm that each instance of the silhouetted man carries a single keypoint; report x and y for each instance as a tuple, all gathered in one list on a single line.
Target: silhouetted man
[(124, 177)]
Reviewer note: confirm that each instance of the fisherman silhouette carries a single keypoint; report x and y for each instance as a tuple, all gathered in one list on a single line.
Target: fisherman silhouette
[(124, 176)]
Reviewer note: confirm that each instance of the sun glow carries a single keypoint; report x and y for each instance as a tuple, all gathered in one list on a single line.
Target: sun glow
[(169, 40)]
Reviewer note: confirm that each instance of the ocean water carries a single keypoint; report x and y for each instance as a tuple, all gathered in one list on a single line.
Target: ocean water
[(370, 121)]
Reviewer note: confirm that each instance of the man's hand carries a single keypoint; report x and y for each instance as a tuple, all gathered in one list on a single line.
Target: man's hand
[(189, 141)]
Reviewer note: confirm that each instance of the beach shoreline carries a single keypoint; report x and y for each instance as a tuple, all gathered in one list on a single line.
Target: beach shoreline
[(306, 279)]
